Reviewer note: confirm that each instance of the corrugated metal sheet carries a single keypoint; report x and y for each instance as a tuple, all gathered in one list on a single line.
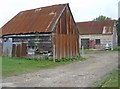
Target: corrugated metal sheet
[(1, 48), (0, 32), (96, 27), (64, 38), (7, 47), (35, 20)]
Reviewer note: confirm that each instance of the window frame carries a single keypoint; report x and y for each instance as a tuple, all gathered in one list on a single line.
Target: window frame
[(97, 41)]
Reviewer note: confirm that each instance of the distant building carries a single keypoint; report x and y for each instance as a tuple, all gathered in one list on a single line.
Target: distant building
[(96, 34), (47, 31)]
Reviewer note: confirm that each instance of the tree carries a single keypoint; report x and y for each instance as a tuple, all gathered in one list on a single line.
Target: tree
[(101, 18), (118, 30)]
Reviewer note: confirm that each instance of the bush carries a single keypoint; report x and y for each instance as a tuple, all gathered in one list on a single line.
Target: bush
[(65, 59), (116, 48)]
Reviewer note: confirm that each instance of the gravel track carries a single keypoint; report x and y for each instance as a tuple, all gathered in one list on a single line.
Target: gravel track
[(78, 74)]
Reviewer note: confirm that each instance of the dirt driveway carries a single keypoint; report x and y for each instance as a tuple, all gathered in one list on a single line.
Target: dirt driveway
[(78, 74)]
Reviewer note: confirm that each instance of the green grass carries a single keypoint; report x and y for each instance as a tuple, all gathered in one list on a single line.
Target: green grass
[(0, 67), (116, 48), (90, 50), (109, 80), (16, 66), (87, 50)]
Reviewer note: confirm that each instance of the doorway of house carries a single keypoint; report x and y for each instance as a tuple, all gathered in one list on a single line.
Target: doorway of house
[(92, 44), (85, 43)]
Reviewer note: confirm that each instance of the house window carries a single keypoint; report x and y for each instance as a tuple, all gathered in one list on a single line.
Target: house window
[(97, 41)]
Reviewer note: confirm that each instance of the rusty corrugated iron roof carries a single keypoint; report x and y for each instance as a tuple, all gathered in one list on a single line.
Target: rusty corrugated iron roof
[(0, 32), (96, 27), (34, 20)]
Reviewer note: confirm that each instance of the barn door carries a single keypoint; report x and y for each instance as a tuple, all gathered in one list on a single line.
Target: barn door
[(14, 50), (19, 50), (23, 50)]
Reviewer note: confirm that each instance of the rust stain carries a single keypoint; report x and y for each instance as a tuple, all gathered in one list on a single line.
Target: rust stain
[(35, 20), (65, 36)]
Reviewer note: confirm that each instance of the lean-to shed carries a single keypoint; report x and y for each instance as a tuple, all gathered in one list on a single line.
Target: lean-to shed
[(46, 31)]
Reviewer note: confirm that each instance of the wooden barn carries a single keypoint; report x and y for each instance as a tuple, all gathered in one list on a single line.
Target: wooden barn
[(1, 42), (42, 32)]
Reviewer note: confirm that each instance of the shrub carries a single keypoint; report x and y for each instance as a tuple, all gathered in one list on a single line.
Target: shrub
[(116, 48), (65, 59)]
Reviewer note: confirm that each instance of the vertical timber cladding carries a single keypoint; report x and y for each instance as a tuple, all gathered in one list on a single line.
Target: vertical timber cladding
[(13, 50), (66, 36), (19, 50)]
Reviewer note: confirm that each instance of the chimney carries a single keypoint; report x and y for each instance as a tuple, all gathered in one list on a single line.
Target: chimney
[(104, 30)]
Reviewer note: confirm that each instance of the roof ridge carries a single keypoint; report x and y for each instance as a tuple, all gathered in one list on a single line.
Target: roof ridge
[(58, 18), (96, 21), (33, 20), (42, 7), (95, 27)]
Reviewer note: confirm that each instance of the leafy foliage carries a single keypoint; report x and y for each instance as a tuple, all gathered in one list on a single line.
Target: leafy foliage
[(118, 31), (101, 18), (116, 48), (67, 59)]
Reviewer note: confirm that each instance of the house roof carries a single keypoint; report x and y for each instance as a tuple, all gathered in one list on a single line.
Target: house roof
[(96, 27), (34, 20)]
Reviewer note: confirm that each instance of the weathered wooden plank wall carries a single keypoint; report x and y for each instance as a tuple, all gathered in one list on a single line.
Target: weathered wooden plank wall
[(19, 50), (65, 37)]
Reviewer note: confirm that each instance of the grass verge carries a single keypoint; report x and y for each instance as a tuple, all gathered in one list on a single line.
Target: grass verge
[(116, 48), (109, 80), (16, 66)]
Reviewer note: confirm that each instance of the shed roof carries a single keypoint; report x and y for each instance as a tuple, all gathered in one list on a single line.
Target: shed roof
[(96, 27), (34, 20), (0, 32)]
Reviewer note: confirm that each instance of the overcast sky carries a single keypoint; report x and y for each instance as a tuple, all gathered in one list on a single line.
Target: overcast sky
[(82, 10)]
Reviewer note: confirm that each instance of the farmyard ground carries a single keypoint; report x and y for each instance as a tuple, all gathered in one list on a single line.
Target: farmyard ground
[(78, 74)]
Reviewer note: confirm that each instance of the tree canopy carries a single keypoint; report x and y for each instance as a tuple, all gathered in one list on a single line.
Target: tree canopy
[(118, 30), (101, 18)]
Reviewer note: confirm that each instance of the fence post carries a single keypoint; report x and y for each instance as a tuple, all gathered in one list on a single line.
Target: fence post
[(83, 51), (53, 53)]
